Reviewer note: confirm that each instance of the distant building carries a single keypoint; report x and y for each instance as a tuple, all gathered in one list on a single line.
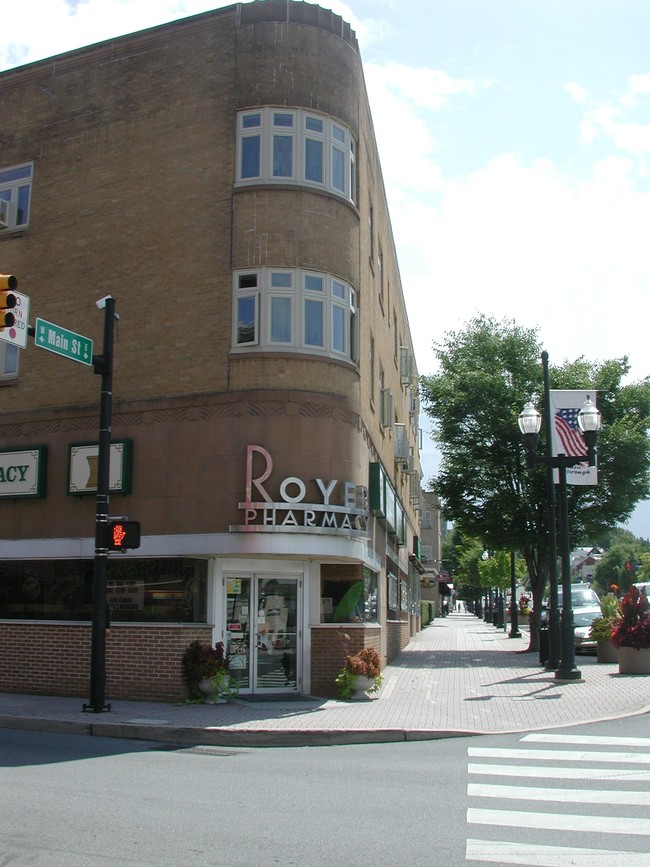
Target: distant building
[(219, 177), (436, 580)]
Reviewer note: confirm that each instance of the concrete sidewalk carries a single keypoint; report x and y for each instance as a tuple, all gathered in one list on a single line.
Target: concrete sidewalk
[(460, 676)]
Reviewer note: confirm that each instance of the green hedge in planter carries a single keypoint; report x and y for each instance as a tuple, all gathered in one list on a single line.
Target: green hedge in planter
[(427, 612)]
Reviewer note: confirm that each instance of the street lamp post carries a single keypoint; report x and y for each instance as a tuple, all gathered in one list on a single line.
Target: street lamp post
[(530, 422), (514, 614)]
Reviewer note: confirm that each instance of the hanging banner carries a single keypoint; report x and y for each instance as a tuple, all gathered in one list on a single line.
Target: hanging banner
[(566, 437)]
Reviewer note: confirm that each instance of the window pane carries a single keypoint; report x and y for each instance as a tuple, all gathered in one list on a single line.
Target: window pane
[(282, 156), (313, 323), (338, 133), (313, 283), (314, 161), (281, 279), (23, 206), (281, 320), (338, 329), (15, 174), (8, 359), (282, 119), (250, 157), (246, 319), (251, 120), (314, 123), (338, 169), (247, 281), (338, 289)]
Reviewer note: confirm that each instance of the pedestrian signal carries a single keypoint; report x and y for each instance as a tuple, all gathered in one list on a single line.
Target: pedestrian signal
[(123, 535)]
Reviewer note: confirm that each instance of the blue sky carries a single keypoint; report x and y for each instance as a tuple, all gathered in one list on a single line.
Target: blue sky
[(515, 144)]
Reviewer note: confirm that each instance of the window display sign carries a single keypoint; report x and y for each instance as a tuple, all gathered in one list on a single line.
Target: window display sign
[(125, 595), (23, 472), (322, 505)]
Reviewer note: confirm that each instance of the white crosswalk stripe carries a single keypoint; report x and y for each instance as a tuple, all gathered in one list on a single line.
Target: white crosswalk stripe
[(502, 807)]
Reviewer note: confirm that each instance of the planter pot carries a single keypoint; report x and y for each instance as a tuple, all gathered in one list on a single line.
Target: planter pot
[(632, 661), (212, 693), (361, 685), (606, 652)]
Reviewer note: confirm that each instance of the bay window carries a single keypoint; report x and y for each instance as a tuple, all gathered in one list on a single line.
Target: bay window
[(294, 310), (296, 146)]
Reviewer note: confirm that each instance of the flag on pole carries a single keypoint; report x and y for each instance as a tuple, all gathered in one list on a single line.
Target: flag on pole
[(568, 432), (566, 437)]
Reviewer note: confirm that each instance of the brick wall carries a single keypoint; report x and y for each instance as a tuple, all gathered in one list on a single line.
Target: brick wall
[(397, 637), (329, 649), (142, 663)]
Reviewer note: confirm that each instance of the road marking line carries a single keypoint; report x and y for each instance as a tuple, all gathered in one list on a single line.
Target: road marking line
[(552, 773), (569, 796), (550, 856), (587, 739), (559, 822), (558, 755)]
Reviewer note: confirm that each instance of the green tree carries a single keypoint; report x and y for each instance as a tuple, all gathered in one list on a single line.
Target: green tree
[(486, 373)]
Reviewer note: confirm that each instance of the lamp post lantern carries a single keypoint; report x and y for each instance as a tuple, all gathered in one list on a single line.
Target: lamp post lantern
[(530, 422)]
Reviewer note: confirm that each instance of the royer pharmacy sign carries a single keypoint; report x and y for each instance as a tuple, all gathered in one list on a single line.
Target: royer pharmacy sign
[(23, 472), (342, 508)]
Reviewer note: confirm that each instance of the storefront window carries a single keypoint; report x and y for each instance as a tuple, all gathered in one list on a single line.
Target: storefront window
[(348, 594), (162, 591)]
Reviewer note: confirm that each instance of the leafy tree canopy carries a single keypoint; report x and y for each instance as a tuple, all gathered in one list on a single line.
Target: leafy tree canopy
[(487, 371)]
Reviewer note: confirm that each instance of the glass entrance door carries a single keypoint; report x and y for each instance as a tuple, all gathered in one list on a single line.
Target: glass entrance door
[(262, 631)]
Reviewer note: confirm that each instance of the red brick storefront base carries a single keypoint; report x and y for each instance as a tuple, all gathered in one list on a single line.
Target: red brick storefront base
[(329, 648), (142, 662)]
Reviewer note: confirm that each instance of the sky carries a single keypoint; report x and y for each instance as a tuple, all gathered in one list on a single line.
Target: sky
[(514, 137)]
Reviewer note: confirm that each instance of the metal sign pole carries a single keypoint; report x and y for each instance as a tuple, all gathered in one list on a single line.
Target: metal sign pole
[(103, 365)]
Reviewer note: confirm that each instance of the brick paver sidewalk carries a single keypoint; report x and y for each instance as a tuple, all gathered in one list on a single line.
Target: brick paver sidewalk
[(458, 676)]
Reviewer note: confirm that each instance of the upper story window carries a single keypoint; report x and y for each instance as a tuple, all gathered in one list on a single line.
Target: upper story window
[(9, 354), (295, 310), (15, 191), (295, 146)]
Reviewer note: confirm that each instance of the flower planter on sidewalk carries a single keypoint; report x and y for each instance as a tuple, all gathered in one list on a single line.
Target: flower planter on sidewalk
[(633, 661)]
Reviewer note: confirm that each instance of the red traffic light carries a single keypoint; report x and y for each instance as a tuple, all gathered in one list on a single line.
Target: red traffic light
[(123, 535)]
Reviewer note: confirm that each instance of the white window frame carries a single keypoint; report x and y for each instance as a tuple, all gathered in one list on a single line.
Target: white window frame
[(15, 180), (261, 285), (334, 138)]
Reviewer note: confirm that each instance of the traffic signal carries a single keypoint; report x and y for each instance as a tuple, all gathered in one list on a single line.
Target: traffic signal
[(7, 300), (123, 534)]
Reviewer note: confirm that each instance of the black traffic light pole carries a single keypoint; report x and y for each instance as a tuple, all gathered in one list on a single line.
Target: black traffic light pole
[(103, 365)]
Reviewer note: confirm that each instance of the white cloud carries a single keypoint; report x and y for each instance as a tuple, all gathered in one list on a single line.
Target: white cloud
[(578, 94)]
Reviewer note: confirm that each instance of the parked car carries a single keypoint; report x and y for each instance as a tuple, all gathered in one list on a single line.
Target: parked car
[(586, 608)]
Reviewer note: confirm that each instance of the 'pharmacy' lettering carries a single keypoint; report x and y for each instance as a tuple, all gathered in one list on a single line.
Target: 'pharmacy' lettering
[(22, 473), (13, 474), (342, 510)]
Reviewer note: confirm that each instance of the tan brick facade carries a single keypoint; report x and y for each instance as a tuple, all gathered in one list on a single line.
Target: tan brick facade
[(135, 195)]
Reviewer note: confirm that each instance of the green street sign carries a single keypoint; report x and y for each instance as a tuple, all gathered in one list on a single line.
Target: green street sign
[(63, 342)]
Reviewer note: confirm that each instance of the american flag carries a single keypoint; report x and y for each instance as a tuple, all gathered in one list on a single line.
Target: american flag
[(566, 427)]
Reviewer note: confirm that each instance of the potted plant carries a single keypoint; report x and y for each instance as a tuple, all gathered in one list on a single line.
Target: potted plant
[(601, 629), (631, 634), (360, 675), (205, 671)]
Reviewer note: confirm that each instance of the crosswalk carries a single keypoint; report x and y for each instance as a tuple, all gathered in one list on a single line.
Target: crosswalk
[(557, 800)]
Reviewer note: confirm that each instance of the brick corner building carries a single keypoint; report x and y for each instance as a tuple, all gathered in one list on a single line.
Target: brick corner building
[(219, 177)]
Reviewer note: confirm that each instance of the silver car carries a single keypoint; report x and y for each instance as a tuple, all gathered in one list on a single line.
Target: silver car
[(586, 608)]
